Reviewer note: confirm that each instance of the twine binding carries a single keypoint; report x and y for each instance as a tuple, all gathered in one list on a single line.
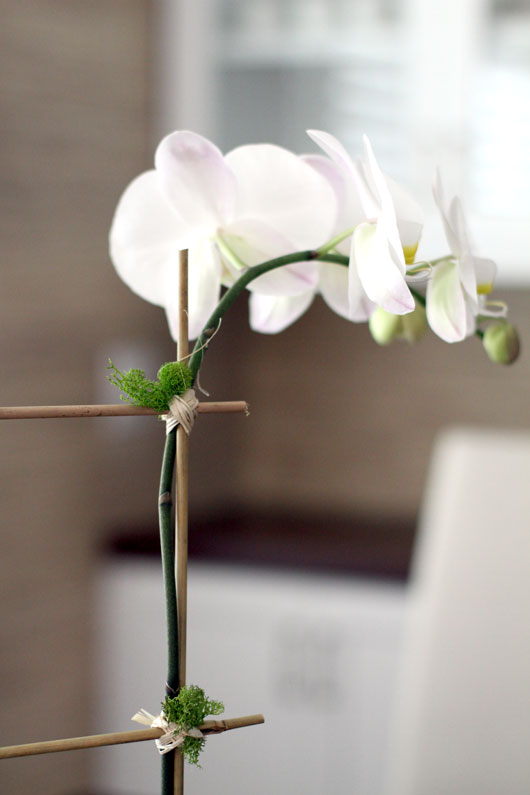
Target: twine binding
[(182, 411), (173, 736)]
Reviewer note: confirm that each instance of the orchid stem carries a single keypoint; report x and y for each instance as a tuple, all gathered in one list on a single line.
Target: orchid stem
[(323, 254), (230, 296), (335, 241), (165, 504)]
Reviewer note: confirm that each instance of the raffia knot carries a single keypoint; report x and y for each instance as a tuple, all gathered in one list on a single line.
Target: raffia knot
[(174, 735), (182, 411)]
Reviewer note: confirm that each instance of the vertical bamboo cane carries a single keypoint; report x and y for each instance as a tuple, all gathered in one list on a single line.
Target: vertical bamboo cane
[(181, 546)]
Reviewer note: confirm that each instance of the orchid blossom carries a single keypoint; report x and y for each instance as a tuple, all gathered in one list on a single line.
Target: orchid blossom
[(377, 257), (385, 227), (258, 202), (457, 289)]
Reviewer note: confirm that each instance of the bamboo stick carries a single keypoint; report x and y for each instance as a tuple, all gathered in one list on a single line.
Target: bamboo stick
[(111, 410), (118, 738), (181, 530)]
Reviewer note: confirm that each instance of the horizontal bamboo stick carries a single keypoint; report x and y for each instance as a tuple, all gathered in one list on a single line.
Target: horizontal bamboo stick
[(111, 410), (117, 738)]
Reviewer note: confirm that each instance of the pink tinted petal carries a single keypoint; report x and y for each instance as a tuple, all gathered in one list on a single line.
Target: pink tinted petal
[(254, 242), (145, 238), (349, 210), (380, 271), (197, 181), (279, 189), (204, 285), (272, 314), (333, 148), (447, 313)]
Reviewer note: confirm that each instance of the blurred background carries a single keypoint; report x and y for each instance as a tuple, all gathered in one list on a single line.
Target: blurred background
[(87, 89)]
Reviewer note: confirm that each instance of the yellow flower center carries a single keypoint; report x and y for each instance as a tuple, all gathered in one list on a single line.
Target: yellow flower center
[(485, 288), (410, 253)]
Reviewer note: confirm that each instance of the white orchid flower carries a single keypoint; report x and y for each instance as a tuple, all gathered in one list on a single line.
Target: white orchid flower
[(457, 289), (258, 202), (342, 288), (385, 237), (271, 314)]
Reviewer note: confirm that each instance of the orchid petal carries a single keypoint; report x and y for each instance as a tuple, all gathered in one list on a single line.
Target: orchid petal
[(288, 195), (387, 221), (272, 314), (254, 242), (334, 288), (145, 238), (336, 151), (467, 261), (439, 199), (408, 213), (197, 180), (204, 285), (485, 272), (447, 313), (360, 306), (379, 269), (349, 210), (333, 148)]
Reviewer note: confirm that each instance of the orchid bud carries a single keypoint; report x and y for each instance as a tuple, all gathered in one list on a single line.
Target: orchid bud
[(384, 326), (414, 324), (501, 342)]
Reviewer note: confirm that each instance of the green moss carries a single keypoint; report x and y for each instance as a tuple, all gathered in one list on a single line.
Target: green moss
[(188, 710), (173, 378)]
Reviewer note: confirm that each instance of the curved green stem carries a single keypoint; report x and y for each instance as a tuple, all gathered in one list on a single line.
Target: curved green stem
[(323, 254), (230, 296)]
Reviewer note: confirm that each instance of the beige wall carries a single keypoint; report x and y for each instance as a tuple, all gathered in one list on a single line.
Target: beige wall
[(73, 88), (335, 420)]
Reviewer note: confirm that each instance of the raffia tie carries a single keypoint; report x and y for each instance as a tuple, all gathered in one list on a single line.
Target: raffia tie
[(182, 411), (173, 736)]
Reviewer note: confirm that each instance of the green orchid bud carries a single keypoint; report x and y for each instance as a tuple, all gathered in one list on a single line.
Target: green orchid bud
[(414, 325), (384, 326), (501, 342)]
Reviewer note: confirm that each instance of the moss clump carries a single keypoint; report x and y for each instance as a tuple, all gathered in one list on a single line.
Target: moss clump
[(173, 378), (188, 710)]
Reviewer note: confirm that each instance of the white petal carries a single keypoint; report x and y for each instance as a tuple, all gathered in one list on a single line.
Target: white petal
[(387, 221), (197, 181), (380, 270), (447, 313), (278, 188), (360, 306), (485, 271), (334, 288), (333, 148), (408, 213), (450, 233), (254, 242), (145, 238), (467, 265), (272, 314), (349, 210), (204, 285)]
